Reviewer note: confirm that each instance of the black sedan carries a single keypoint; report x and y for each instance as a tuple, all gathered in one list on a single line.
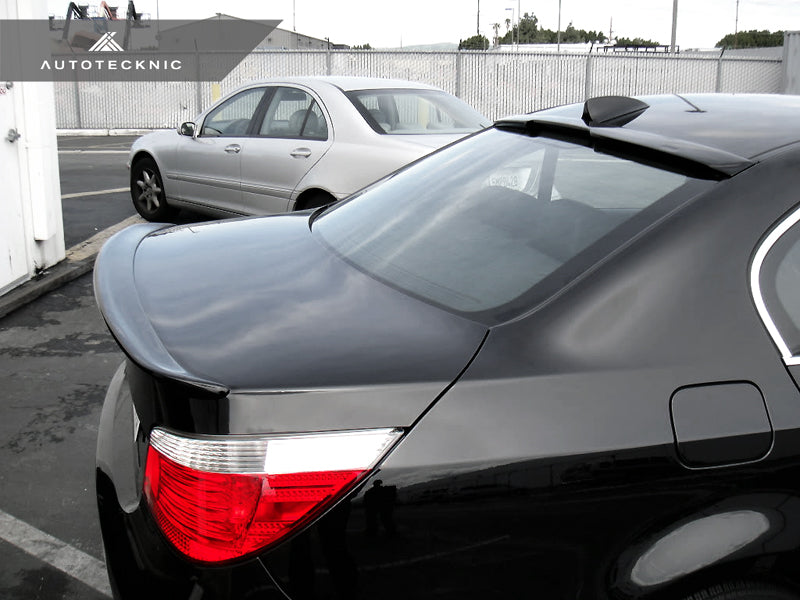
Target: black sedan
[(557, 359)]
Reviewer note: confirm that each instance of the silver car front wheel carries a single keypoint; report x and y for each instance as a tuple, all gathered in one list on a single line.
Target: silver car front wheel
[(147, 191)]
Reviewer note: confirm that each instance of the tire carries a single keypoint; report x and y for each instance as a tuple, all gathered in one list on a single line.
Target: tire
[(147, 191), (744, 590), (314, 200)]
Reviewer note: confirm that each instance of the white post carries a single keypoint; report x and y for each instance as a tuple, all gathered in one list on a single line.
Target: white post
[(791, 62), (32, 228)]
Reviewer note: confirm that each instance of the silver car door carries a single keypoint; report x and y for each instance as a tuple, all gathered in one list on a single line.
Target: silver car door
[(209, 164), (293, 135)]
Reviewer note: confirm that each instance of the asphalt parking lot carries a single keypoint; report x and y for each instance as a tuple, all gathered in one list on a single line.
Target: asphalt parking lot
[(94, 184), (56, 358), (55, 355)]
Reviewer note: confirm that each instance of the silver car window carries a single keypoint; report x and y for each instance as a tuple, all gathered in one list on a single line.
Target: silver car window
[(233, 117), (414, 112), (293, 113)]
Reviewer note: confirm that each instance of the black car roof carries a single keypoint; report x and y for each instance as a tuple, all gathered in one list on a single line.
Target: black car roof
[(725, 132)]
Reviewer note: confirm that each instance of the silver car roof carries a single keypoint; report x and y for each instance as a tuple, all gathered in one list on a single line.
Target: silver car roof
[(347, 83)]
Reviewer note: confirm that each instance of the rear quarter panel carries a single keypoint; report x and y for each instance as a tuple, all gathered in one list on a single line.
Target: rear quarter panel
[(349, 166)]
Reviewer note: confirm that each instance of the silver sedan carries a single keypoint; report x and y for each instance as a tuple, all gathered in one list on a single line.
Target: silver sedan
[(292, 144)]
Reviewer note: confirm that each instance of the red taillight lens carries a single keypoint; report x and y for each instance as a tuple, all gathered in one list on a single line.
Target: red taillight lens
[(211, 512)]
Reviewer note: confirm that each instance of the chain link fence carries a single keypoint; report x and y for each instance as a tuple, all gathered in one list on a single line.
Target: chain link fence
[(495, 83)]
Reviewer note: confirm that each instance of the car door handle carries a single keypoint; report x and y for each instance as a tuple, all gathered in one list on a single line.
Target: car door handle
[(233, 149), (301, 152)]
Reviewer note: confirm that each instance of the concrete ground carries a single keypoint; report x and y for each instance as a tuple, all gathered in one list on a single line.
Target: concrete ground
[(56, 359)]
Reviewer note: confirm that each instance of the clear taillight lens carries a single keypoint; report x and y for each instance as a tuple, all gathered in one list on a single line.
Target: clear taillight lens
[(218, 498)]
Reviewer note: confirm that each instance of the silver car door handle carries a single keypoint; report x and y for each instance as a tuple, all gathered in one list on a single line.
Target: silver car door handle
[(300, 153), (233, 149)]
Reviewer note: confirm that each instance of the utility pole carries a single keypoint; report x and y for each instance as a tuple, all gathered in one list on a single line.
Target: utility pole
[(673, 47), (558, 34), (736, 27), (478, 29)]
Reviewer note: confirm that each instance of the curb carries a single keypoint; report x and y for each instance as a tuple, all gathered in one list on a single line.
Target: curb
[(78, 261), (100, 132)]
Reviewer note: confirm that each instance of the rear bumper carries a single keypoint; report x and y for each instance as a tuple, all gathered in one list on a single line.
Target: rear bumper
[(140, 561)]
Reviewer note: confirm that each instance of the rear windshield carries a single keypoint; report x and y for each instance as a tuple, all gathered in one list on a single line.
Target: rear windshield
[(415, 112), (494, 224)]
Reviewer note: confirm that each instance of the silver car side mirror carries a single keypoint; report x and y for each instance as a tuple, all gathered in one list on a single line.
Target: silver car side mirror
[(187, 129)]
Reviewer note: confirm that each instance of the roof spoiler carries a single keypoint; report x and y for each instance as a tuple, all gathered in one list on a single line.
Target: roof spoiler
[(602, 126)]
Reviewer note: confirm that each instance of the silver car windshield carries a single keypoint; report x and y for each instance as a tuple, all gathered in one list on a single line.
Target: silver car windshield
[(496, 223), (415, 112)]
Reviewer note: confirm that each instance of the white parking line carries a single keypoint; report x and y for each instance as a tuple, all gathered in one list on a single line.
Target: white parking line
[(55, 553), (95, 193)]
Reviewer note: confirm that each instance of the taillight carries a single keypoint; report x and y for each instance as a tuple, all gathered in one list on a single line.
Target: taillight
[(218, 498)]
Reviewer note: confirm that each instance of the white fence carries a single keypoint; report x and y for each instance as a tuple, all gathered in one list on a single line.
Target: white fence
[(497, 84)]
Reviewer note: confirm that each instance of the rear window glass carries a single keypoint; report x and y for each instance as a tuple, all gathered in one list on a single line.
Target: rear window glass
[(414, 112), (496, 223)]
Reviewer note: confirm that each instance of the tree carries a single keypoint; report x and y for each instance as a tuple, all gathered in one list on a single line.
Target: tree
[(476, 42), (496, 27), (531, 33), (597, 36), (528, 25), (751, 39), (362, 47), (527, 28), (642, 43)]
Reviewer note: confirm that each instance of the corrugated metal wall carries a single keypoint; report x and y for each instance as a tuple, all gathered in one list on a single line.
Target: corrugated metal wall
[(497, 84)]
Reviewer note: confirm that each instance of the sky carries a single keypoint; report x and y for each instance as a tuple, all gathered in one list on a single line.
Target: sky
[(383, 24)]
